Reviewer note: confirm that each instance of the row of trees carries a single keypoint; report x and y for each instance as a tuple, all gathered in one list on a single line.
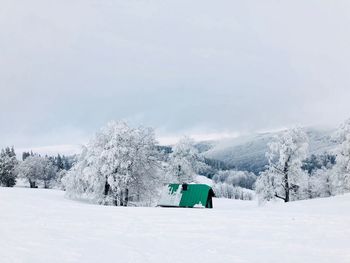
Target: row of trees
[(122, 164), (236, 178), (234, 184), (61, 162), (290, 177), (35, 169), (226, 190)]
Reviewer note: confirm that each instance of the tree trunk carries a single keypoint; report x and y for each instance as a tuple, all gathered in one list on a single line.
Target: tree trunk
[(107, 186), (121, 199), (328, 191), (287, 188), (8, 184), (32, 184), (126, 199), (286, 181), (116, 198)]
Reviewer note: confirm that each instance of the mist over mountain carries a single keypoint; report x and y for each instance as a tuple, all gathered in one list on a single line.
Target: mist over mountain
[(248, 152)]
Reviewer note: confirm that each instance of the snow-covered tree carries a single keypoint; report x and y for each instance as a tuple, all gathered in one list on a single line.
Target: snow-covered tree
[(242, 179), (30, 169), (341, 170), (185, 162), (119, 164), (49, 175), (37, 169), (319, 161), (8, 162), (284, 177), (26, 155), (266, 186), (232, 192), (59, 177), (321, 183), (81, 182)]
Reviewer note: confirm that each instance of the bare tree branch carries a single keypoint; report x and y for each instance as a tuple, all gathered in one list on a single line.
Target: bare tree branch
[(284, 199)]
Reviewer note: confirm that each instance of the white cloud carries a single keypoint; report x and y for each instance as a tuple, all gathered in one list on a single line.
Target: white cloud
[(68, 67)]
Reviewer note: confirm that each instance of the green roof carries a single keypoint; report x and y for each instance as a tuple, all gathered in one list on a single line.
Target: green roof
[(196, 195)]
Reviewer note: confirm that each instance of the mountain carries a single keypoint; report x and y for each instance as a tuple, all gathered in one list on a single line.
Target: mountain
[(248, 152)]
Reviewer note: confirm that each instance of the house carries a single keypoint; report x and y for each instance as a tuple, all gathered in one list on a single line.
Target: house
[(187, 195)]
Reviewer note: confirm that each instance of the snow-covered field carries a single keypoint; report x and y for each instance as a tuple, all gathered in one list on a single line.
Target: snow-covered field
[(38, 225)]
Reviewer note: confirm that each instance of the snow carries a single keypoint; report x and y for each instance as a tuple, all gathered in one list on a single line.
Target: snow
[(38, 225), (200, 179), (167, 198), (200, 205)]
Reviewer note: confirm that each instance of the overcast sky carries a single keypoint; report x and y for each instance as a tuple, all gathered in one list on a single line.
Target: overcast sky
[(204, 68)]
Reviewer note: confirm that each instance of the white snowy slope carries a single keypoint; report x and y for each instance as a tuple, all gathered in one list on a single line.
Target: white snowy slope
[(38, 225)]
